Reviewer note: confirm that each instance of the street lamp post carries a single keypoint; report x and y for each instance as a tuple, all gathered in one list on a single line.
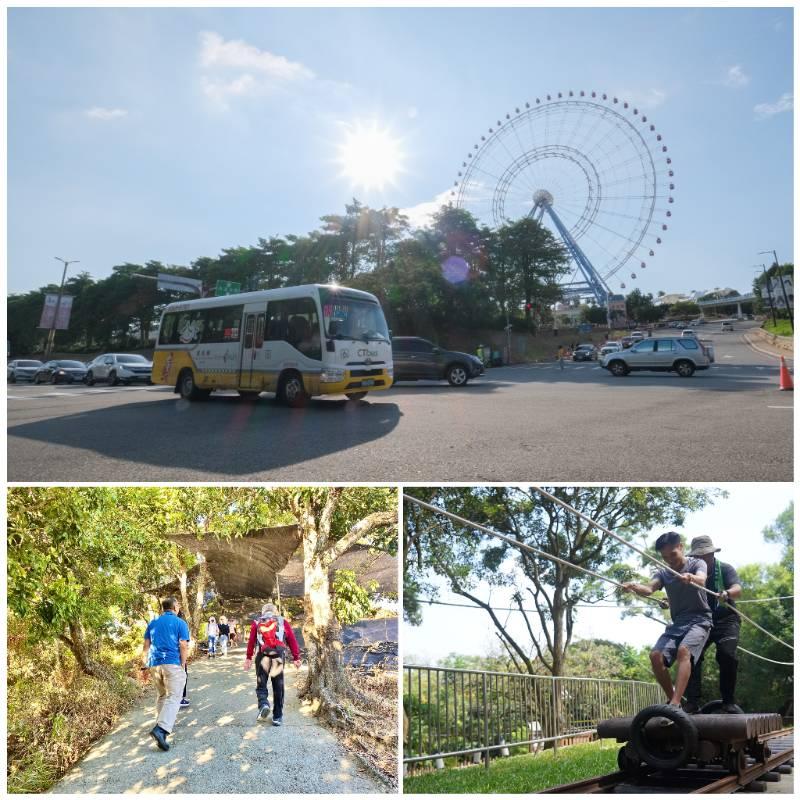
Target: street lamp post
[(52, 334), (783, 287)]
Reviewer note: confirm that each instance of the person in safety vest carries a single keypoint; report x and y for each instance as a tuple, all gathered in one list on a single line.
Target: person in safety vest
[(270, 635), (726, 624), (683, 640)]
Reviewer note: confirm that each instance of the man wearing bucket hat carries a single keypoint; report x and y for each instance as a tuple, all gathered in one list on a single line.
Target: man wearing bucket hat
[(725, 630)]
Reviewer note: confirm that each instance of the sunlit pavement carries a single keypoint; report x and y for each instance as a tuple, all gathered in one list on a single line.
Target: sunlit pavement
[(519, 423)]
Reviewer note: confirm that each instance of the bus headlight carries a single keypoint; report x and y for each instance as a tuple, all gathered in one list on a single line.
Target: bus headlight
[(332, 375), (390, 372)]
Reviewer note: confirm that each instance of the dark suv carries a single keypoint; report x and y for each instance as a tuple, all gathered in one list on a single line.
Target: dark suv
[(418, 359)]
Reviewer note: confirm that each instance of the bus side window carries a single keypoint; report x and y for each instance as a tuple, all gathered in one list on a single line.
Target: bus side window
[(297, 323), (167, 329)]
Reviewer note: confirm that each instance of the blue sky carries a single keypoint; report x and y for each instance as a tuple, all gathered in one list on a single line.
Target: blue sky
[(734, 523), (170, 134)]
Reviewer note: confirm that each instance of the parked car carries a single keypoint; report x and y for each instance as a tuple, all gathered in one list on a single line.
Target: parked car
[(119, 368), (60, 371), (610, 347), (689, 332), (727, 327), (417, 359), (682, 355), (584, 352), (637, 336), (21, 369), (626, 341)]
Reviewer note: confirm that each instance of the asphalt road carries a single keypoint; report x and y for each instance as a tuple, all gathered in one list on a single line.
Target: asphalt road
[(521, 423), (218, 747)]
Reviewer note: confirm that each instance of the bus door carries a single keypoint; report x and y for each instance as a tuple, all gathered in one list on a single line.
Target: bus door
[(251, 374)]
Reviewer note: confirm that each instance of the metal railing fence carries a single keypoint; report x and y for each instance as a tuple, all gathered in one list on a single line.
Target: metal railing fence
[(462, 712)]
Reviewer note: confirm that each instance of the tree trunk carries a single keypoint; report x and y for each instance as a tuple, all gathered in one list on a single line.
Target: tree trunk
[(76, 641), (199, 595)]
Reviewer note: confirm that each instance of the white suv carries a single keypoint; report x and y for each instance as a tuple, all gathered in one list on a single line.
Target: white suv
[(682, 355), (119, 368)]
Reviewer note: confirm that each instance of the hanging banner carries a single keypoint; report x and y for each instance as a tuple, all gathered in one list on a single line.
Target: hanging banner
[(49, 312)]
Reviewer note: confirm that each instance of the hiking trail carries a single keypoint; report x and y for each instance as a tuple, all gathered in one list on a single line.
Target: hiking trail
[(218, 747)]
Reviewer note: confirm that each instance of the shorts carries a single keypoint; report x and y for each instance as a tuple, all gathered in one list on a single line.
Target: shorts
[(692, 635)]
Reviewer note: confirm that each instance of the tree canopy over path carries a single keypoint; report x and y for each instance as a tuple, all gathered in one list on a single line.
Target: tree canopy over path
[(218, 747)]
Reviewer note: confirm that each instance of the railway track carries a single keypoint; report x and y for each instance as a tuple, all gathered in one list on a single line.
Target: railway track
[(752, 776)]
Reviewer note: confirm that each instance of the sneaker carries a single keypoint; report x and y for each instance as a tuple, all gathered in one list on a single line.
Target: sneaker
[(263, 713), (184, 703), (690, 708), (277, 722)]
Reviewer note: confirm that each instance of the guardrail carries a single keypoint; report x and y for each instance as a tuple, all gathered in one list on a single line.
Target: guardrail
[(473, 714)]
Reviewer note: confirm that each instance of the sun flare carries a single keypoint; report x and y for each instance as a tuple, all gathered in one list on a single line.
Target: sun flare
[(370, 156)]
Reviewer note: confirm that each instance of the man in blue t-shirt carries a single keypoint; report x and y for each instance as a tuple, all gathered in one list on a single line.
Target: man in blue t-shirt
[(684, 639), (164, 653)]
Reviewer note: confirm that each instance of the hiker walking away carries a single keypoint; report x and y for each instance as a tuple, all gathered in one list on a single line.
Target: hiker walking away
[(164, 653), (684, 639), (725, 628), (560, 356), (184, 699), (270, 634), (224, 634), (212, 632)]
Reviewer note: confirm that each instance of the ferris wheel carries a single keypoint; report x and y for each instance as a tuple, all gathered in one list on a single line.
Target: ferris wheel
[(589, 166)]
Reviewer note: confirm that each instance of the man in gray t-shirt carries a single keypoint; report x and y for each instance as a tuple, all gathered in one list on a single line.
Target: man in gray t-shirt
[(684, 638)]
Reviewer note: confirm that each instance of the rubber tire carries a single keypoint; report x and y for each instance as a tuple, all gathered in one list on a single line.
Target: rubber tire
[(715, 707), (113, 380), (37, 378), (296, 396), (54, 379), (619, 369), (355, 396), (685, 726), (90, 381), (188, 389), (684, 368), (454, 373)]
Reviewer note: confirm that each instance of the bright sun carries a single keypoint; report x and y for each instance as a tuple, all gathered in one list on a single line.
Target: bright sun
[(370, 156)]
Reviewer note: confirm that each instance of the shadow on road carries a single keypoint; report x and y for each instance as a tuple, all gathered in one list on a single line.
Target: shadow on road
[(224, 434)]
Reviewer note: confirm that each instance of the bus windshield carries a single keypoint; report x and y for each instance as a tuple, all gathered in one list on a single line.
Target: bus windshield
[(348, 317)]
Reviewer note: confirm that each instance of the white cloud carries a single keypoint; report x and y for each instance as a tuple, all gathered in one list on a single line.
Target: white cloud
[(421, 214), (642, 98), (784, 103), (235, 68), (736, 77), (105, 113)]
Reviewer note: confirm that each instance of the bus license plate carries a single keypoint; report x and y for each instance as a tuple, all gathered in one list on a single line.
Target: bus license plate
[(367, 383)]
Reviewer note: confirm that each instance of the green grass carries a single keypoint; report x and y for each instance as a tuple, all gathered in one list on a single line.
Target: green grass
[(520, 774), (783, 328)]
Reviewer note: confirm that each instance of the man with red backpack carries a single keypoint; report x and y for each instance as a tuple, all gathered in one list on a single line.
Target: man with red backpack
[(270, 635)]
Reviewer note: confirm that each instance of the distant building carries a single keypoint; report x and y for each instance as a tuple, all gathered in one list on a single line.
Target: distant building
[(617, 310), (567, 315)]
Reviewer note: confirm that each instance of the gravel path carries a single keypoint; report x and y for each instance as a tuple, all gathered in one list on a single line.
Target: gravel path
[(218, 747)]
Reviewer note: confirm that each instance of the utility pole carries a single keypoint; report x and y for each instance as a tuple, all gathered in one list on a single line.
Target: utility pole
[(783, 287), (52, 334)]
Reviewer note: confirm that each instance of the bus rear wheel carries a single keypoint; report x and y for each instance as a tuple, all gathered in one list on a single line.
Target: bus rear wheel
[(291, 390), (188, 388)]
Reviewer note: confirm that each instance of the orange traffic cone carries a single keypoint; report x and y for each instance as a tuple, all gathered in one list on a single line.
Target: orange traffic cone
[(786, 384)]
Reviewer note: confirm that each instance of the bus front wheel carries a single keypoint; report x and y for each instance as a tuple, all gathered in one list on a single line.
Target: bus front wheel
[(291, 390), (354, 397), (188, 388)]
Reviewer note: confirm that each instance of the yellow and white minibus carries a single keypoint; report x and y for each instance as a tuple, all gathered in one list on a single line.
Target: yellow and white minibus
[(297, 342)]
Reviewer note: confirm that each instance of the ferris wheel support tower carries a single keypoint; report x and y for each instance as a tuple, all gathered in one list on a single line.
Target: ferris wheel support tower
[(593, 281)]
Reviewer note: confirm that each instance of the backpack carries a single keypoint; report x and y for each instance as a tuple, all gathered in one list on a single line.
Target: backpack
[(270, 634)]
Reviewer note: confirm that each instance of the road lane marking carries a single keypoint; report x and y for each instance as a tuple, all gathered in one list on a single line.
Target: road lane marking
[(780, 406)]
